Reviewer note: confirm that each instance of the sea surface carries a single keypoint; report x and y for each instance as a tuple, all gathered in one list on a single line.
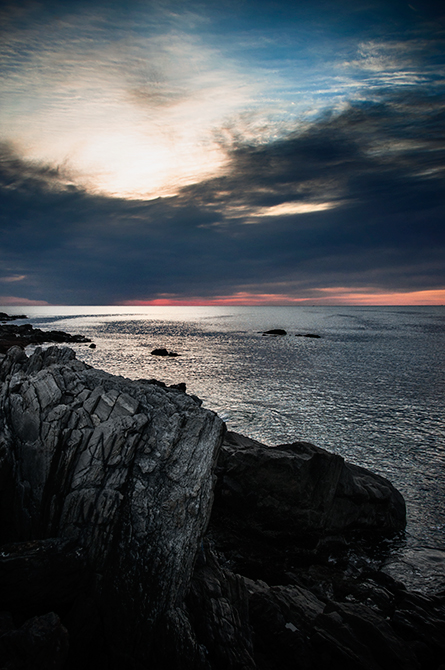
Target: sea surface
[(371, 388)]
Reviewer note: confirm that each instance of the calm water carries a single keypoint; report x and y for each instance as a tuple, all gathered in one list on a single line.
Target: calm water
[(372, 388)]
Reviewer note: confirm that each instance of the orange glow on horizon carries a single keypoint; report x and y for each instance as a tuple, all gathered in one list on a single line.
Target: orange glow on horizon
[(321, 296)]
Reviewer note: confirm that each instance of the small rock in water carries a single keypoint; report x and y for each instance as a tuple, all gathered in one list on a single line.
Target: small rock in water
[(163, 352), (92, 345), (275, 331)]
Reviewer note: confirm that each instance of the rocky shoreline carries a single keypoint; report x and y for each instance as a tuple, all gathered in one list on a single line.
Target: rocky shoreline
[(12, 335), (136, 532)]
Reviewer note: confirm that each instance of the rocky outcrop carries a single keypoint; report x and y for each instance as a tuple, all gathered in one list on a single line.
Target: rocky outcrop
[(11, 317), (121, 469), (13, 335), (112, 556), (293, 491)]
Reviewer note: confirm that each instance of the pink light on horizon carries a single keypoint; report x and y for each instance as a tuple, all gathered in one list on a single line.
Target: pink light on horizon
[(321, 296)]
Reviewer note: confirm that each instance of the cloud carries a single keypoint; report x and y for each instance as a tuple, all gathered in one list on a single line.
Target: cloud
[(381, 164), (130, 109), (337, 295), (12, 278), (10, 301), (138, 100)]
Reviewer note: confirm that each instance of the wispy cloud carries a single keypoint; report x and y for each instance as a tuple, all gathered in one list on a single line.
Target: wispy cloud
[(10, 300), (12, 278), (142, 103), (337, 295)]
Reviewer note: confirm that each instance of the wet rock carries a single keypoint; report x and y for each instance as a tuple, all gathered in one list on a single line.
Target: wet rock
[(179, 387), (313, 335), (275, 331)]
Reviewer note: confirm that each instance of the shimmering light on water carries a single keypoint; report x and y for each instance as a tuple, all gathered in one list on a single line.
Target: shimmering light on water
[(371, 388)]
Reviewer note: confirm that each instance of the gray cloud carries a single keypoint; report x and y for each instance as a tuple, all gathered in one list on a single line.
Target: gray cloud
[(381, 164)]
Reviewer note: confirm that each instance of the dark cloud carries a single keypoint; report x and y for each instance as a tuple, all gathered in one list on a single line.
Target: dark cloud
[(380, 165)]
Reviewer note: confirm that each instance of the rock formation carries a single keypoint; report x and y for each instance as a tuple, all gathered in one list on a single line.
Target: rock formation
[(297, 490), (11, 317), (123, 470), (13, 335), (112, 557)]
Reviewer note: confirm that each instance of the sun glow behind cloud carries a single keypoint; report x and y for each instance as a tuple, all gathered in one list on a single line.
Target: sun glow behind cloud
[(138, 106), (128, 117)]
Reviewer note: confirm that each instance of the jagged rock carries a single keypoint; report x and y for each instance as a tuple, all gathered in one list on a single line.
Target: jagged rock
[(13, 335), (41, 574), (295, 490), (218, 602), (121, 468)]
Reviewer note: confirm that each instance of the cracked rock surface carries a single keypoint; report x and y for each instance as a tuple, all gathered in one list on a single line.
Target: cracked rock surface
[(123, 469)]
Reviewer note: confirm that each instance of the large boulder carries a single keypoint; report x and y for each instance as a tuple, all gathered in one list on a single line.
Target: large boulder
[(294, 490), (122, 469)]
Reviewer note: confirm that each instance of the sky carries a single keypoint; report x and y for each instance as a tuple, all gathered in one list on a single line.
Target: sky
[(233, 152)]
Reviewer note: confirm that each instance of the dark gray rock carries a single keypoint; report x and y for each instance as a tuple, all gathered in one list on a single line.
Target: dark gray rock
[(11, 317), (13, 335), (163, 352), (41, 643), (275, 331), (123, 469), (294, 490), (106, 490)]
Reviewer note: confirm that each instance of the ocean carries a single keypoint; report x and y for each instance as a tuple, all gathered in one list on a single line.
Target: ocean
[(371, 388)]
